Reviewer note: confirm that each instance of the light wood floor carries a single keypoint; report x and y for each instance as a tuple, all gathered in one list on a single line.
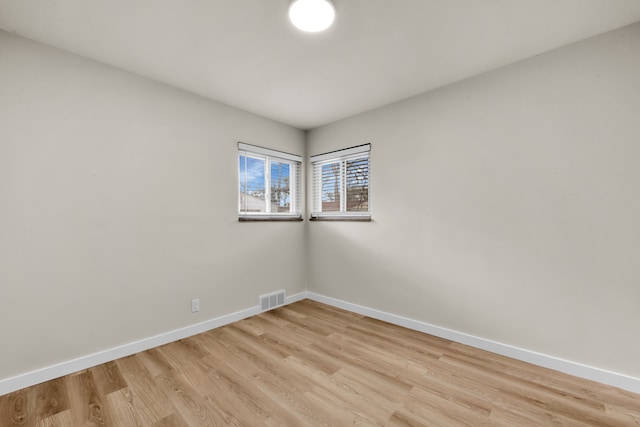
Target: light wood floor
[(309, 364)]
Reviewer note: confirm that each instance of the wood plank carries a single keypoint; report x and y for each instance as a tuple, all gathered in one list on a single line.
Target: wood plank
[(19, 408), (52, 398), (61, 419), (108, 378), (148, 402), (154, 361), (125, 410), (230, 394), (191, 407), (88, 406), (173, 420)]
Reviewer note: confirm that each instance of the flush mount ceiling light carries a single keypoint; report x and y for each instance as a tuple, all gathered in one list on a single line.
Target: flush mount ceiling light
[(312, 15)]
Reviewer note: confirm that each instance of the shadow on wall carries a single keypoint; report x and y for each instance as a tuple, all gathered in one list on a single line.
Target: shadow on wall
[(434, 277)]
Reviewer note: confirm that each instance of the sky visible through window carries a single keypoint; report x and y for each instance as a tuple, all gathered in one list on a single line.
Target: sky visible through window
[(252, 176), (252, 181)]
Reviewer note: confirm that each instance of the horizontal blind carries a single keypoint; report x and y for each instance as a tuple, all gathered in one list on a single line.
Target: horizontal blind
[(341, 154), (268, 152), (357, 184), (296, 189), (341, 183), (331, 178)]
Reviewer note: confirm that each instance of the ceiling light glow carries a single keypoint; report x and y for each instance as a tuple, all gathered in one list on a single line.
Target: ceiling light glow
[(312, 15)]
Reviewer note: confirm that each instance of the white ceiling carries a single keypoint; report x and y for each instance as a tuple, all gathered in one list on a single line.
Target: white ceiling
[(245, 52)]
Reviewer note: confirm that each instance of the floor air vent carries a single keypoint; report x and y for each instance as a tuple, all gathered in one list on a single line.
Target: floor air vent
[(269, 301)]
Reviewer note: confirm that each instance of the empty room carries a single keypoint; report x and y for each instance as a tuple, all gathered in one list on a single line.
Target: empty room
[(314, 212)]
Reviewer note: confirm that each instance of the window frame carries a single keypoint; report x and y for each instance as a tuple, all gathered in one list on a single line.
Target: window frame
[(268, 156), (341, 157)]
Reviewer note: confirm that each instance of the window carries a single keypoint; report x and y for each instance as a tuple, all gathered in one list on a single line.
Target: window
[(341, 184), (268, 184)]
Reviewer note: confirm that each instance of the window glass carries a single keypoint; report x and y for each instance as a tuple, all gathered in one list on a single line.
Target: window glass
[(252, 190), (268, 184), (331, 187)]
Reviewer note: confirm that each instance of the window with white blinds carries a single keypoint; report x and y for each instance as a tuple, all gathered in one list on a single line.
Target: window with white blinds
[(341, 184), (268, 184)]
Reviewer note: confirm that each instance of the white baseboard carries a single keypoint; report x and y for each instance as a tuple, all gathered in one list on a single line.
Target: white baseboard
[(576, 369), (38, 376)]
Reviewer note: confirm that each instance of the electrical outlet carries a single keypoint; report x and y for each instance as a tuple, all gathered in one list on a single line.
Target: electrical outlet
[(195, 305)]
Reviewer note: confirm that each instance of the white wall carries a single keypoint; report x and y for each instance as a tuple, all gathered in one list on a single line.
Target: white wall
[(118, 205), (506, 206)]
